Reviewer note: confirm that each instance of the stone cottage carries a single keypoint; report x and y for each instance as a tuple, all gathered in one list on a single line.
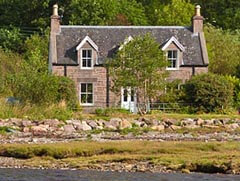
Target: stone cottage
[(79, 52)]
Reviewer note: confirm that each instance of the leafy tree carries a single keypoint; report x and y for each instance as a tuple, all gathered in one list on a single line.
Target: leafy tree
[(10, 39), (174, 12), (223, 48), (139, 64), (236, 82), (209, 92), (106, 12), (221, 13)]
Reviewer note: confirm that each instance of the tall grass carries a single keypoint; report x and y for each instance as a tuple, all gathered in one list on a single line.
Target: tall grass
[(35, 112)]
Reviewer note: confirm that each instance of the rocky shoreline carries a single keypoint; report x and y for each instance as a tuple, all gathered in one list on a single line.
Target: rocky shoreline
[(48, 131)]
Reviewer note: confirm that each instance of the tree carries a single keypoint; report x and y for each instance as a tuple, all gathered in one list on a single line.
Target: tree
[(221, 13), (139, 64), (10, 39), (209, 93), (175, 12), (223, 49), (106, 12)]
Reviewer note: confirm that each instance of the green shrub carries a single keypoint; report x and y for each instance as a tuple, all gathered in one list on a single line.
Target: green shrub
[(236, 82), (209, 92)]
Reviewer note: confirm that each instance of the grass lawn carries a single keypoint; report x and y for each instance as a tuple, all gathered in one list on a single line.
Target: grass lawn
[(209, 157)]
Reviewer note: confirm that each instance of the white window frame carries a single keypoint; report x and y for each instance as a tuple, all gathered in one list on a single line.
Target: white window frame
[(80, 94), (177, 60), (81, 62)]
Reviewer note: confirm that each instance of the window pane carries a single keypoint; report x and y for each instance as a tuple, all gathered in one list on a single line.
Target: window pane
[(169, 63), (132, 95), (125, 95), (90, 88), (84, 63), (83, 88), (83, 98), (84, 53), (90, 98), (89, 63), (174, 64), (169, 54), (89, 53), (174, 54)]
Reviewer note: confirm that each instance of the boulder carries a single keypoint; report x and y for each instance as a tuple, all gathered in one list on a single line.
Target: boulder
[(191, 126), (209, 122), (82, 126), (199, 121), (39, 130), (232, 126), (15, 121), (174, 127), (52, 122), (125, 124), (151, 122), (27, 123), (115, 122), (93, 124), (158, 128), (139, 123), (68, 129), (85, 126), (169, 122), (187, 121)]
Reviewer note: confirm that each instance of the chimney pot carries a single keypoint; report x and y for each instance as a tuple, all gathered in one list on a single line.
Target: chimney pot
[(198, 10), (55, 10)]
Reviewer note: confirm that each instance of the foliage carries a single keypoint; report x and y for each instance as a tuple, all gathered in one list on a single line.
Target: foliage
[(35, 112), (139, 64), (209, 92), (172, 93), (110, 111), (10, 39), (175, 12), (236, 82), (223, 49), (105, 12), (221, 13)]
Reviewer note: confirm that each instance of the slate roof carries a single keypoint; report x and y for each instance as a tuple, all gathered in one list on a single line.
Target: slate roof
[(108, 39)]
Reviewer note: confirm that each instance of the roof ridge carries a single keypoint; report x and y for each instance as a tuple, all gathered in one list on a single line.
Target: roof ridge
[(122, 27)]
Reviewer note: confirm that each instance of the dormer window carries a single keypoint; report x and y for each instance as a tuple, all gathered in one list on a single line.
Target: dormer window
[(87, 53), (172, 57), (174, 53), (86, 60)]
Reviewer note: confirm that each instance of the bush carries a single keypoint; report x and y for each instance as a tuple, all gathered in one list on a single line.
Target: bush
[(236, 82), (209, 93)]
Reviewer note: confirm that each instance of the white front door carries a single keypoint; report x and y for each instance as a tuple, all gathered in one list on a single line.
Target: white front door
[(128, 99)]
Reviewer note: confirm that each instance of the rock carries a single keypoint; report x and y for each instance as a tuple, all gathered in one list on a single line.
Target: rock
[(151, 122), (27, 123), (209, 122), (39, 130), (93, 124), (85, 126), (158, 128), (186, 171), (82, 126), (174, 127), (210, 126), (109, 126), (15, 121), (199, 122), (115, 122), (232, 126), (139, 123), (191, 126), (52, 122), (170, 122), (186, 122), (68, 129), (99, 128), (26, 129), (125, 124)]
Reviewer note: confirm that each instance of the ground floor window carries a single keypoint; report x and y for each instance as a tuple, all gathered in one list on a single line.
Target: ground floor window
[(86, 94)]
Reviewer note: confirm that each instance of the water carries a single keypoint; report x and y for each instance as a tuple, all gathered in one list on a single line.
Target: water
[(67, 175)]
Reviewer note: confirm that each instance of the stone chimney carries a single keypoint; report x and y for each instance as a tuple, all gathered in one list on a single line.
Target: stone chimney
[(55, 20), (197, 20), (55, 30)]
